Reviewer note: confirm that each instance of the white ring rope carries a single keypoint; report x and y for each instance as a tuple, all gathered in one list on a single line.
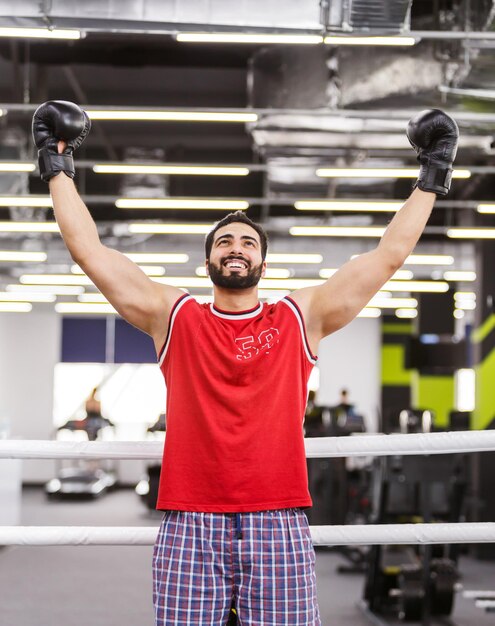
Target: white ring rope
[(316, 447), (373, 534)]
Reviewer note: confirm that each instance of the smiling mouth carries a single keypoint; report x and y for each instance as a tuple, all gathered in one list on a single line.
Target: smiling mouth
[(234, 264)]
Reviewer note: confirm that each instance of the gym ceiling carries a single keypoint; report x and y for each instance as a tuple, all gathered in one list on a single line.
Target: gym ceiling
[(322, 105)]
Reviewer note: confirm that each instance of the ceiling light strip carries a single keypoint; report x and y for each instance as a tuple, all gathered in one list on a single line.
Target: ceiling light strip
[(250, 38), (40, 33), (146, 115), (170, 229), (337, 231), (347, 205), (345, 40), (9, 296), (182, 170), (471, 233), (15, 307), (402, 172), (29, 227), (56, 290), (182, 203), (17, 166), (22, 257)]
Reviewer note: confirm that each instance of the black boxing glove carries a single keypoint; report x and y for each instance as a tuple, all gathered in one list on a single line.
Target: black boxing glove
[(54, 121), (434, 135)]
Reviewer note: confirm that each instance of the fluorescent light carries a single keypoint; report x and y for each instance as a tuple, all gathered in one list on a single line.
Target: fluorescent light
[(92, 298), (327, 272), (29, 227), (19, 166), (170, 229), (464, 295), (170, 116), (486, 208), (249, 38), (54, 279), (180, 203), (15, 307), (40, 33), (459, 275), (466, 305), (28, 257), (379, 172), (458, 314), (429, 259), (9, 296), (337, 231), (406, 313), (293, 258), (417, 286), (80, 307), (149, 270), (343, 205), (403, 275), (157, 257), (47, 289), (369, 312), (393, 303), (343, 40), (271, 272), (471, 233), (465, 390), (183, 170), (32, 201)]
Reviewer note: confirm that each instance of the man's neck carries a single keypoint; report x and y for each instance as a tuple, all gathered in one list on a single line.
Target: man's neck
[(235, 299)]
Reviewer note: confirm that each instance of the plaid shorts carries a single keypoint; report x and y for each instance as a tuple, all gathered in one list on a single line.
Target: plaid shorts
[(263, 562)]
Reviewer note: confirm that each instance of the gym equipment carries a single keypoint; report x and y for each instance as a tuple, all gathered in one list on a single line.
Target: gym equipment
[(85, 480), (415, 583)]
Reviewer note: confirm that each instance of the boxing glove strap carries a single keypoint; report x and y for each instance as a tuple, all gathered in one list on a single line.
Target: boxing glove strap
[(51, 164), (434, 179)]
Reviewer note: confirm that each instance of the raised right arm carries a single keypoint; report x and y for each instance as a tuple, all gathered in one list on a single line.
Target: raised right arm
[(141, 301), (58, 129)]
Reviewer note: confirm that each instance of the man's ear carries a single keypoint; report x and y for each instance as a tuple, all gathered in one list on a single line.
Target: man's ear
[(263, 269), (207, 268)]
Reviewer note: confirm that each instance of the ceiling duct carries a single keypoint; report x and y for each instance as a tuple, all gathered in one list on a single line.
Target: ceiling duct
[(142, 15), (310, 78), (392, 16)]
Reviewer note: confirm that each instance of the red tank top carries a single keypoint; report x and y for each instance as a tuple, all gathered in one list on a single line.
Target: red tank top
[(236, 396)]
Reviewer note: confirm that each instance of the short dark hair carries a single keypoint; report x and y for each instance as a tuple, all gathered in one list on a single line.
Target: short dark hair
[(237, 216)]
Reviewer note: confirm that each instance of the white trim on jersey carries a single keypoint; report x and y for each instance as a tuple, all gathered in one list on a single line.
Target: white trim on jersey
[(300, 320), (171, 324), (237, 316)]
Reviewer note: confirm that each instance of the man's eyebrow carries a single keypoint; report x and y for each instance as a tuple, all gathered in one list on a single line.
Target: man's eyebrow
[(231, 236)]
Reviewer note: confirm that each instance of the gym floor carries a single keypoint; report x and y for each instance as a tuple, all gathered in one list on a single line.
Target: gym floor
[(111, 586)]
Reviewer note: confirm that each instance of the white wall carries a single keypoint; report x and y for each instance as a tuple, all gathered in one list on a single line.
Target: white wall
[(29, 350), (351, 359)]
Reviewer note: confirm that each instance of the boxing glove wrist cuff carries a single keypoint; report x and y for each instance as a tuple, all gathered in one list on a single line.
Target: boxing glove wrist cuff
[(434, 178), (51, 164)]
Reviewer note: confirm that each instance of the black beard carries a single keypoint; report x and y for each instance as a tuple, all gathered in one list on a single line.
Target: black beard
[(234, 280)]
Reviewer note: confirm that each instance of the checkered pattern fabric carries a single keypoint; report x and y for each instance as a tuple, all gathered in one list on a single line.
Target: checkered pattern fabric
[(263, 561)]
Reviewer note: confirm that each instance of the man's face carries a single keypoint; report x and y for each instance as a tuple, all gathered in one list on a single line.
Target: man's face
[(235, 260)]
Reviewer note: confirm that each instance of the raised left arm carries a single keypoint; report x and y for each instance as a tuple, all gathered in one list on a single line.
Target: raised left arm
[(334, 304)]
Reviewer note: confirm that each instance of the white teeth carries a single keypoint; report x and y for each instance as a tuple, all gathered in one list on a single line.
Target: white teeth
[(236, 264)]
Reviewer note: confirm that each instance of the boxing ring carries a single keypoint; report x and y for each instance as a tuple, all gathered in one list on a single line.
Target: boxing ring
[(325, 447)]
